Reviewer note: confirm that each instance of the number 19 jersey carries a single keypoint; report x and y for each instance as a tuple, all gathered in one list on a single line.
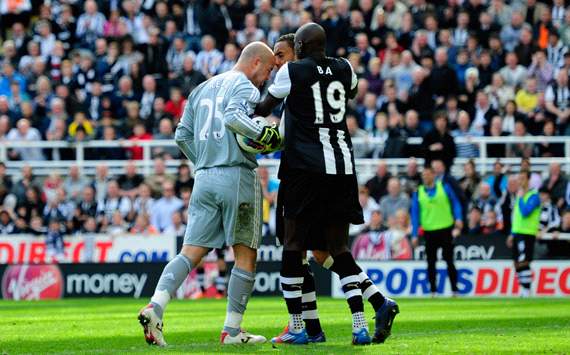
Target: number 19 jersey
[(316, 135)]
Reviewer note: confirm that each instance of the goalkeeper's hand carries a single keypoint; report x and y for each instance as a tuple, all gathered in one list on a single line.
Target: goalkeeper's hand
[(271, 138)]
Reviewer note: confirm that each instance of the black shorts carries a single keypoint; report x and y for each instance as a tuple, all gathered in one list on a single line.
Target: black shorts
[(315, 200), (523, 247)]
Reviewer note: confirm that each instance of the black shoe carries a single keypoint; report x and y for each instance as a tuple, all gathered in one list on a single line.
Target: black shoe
[(384, 319)]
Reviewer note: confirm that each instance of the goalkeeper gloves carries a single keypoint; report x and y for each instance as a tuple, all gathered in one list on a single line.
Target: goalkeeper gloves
[(271, 138)]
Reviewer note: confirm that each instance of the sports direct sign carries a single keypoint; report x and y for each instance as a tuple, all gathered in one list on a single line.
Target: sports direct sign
[(475, 278), (121, 249)]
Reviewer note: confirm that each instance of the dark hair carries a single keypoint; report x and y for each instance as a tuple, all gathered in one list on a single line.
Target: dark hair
[(440, 114), (289, 38)]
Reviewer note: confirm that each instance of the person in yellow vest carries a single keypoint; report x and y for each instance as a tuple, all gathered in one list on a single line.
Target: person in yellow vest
[(525, 227), (437, 210)]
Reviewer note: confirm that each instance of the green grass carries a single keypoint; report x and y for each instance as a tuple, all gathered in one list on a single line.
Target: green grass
[(426, 326)]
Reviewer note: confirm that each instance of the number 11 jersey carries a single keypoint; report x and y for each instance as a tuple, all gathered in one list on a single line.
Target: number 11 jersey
[(316, 135)]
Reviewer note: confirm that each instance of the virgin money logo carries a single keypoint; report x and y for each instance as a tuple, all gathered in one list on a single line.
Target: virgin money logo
[(32, 282)]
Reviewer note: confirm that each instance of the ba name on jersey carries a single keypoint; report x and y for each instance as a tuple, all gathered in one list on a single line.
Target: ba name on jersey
[(316, 135)]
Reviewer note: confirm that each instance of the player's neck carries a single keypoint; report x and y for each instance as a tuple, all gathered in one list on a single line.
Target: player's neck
[(316, 55)]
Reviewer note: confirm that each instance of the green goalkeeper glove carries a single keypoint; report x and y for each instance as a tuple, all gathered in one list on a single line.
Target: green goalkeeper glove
[(271, 138)]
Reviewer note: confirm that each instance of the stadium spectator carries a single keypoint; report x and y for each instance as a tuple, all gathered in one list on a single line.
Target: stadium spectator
[(111, 202), (555, 184), (158, 177), (465, 150), (549, 215), (474, 222), (470, 180), (74, 183), (526, 98), (557, 98), (142, 226), (24, 133), (378, 186), (438, 144), (510, 33), (7, 226), (443, 78), (545, 149), (108, 153), (483, 200), (139, 135), (520, 150), (130, 180), (360, 150), (86, 205), (6, 183), (178, 227), (372, 243), (395, 200), (511, 115), (209, 58), (189, 78), (513, 73), (497, 180), (336, 27), (411, 178), (161, 213)]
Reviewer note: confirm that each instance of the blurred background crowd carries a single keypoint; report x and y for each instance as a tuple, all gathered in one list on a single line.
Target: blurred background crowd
[(114, 70)]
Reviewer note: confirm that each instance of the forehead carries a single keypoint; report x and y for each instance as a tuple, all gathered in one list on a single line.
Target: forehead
[(282, 47)]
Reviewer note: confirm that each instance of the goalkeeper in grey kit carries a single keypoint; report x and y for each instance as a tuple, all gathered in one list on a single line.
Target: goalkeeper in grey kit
[(226, 201)]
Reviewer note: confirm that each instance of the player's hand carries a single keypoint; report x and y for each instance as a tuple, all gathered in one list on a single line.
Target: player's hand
[(459, 224), (271, 138)]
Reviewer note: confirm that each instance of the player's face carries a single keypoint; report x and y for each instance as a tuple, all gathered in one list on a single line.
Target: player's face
[(283, 54), (262, 71)]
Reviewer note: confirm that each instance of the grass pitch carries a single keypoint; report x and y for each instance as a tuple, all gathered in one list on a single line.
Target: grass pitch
[(426, 326)]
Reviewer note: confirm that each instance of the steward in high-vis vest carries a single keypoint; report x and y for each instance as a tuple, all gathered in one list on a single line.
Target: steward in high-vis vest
[(436, 209), (525, 227)]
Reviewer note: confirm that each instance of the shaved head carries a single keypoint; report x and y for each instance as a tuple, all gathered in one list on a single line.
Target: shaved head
[(255, 50), (310, 40), (256, 62)]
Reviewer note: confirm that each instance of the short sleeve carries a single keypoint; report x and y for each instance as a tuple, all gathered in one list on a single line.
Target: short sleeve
[(354, 78), (549, 94), (281, 86)]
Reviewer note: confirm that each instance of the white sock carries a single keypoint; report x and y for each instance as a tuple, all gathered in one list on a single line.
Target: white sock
[(161, 298), (233, 322), (358, 322), (296, 324)]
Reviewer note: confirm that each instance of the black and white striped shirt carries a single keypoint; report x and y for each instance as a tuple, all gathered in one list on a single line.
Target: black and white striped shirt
[(549, 217), (555, 55)]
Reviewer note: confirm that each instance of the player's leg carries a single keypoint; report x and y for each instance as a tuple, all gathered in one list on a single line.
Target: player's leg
[(242, 220), (523, 247), (174, 273), (431, 256), (385, 308), (447, 254), (309, 305), (370, 292), (202, 230), (221, 279), (348, 271), (292, 279)]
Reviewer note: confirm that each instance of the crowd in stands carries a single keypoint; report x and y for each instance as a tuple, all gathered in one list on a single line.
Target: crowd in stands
[(77, 70)]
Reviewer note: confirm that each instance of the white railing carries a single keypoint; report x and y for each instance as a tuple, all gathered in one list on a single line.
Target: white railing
[(365, 167)]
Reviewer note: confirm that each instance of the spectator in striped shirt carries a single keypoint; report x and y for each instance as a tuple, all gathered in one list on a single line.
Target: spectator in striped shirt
[(465, 150)]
